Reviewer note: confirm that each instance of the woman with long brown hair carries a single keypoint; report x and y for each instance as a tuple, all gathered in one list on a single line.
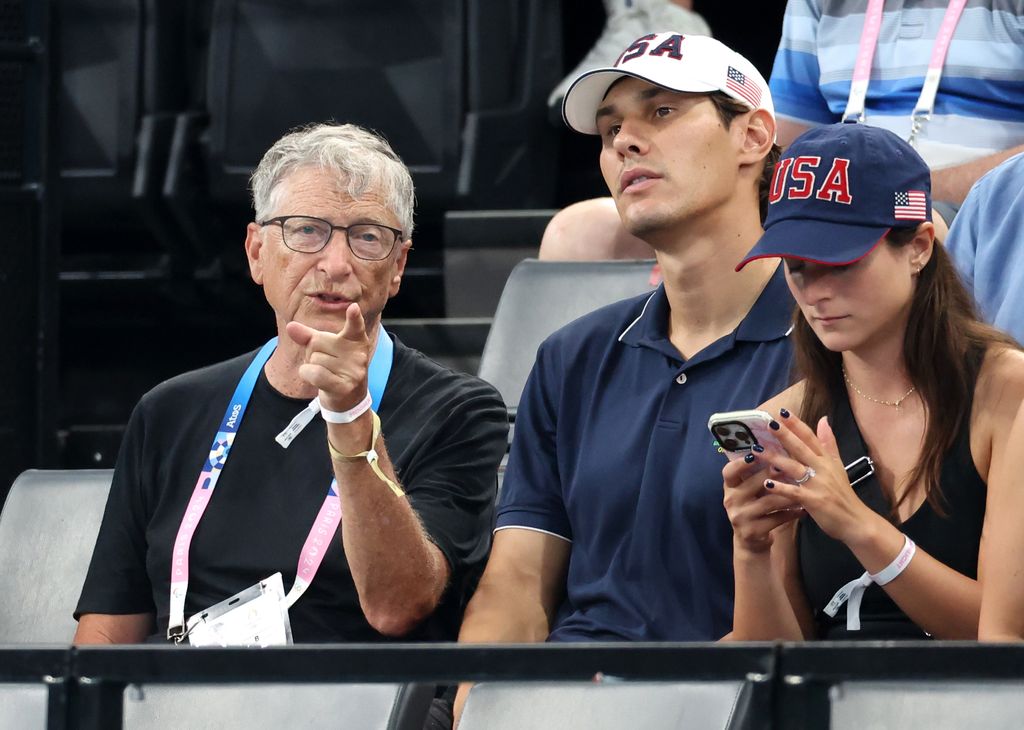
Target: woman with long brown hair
[(877, 522)]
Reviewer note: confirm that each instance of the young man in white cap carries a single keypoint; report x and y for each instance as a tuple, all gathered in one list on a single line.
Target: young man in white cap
[(610, 524)]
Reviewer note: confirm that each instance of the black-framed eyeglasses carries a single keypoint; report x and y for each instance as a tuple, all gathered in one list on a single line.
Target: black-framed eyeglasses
[(306, 234)]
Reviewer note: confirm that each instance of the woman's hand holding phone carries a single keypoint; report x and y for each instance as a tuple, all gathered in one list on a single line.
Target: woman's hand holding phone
[(812, 475), (747, 438), (754, 511)]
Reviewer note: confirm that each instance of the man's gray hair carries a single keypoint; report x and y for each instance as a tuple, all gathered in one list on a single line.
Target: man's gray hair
[(362, 160)]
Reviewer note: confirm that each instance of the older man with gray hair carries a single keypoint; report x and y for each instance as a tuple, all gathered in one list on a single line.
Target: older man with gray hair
[(319, 530)]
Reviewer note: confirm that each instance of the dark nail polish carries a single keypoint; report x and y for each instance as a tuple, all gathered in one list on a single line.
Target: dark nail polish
[(758, 448), (784, 413), (769, 484), (774, 425), (749, 458)]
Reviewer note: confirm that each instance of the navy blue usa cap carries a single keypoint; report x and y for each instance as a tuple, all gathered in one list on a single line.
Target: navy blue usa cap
[(838, 190)]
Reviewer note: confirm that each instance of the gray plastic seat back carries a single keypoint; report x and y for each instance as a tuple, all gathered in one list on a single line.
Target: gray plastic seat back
[(273, 706), (23, 706), (589, 706), (539, 298), (48, 529), (936, 705)]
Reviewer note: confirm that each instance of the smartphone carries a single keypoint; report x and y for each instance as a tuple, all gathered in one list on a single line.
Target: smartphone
[(736, 432)]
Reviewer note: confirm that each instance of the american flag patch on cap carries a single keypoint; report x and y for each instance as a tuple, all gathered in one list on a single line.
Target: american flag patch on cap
[(910, 206), (737, 82)]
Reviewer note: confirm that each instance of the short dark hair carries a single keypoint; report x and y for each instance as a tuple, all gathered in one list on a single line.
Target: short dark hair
[(728, 109)]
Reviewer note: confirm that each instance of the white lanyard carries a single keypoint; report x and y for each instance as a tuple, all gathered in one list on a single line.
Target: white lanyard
[(324, 527), (866, 51)]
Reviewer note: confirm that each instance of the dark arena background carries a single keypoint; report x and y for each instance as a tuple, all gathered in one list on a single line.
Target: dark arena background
[(128, 130)]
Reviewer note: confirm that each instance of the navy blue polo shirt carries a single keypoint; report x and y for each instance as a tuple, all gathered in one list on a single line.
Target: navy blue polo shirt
[(612, 452)]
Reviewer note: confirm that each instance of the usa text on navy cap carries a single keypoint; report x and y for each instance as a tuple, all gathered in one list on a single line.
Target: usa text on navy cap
[(838, 190)]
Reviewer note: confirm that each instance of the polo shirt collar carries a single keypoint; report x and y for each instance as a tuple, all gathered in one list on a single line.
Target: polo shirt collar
[(651, 326), (770, 318)]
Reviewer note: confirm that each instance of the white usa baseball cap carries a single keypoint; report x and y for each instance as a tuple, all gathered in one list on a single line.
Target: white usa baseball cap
[(674, 61)]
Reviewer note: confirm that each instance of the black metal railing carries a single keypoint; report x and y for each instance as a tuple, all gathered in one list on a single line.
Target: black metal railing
[(787, 685)]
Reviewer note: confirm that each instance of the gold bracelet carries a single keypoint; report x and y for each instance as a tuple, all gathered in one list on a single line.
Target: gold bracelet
[(370, 456)]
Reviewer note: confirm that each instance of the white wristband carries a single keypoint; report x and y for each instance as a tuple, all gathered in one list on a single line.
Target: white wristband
[(347, 416), (854, 590), (897, 566)]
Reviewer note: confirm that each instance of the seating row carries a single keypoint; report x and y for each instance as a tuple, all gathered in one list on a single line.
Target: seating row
[(931, 685), (166, 107), (539, 298), (49, 524)]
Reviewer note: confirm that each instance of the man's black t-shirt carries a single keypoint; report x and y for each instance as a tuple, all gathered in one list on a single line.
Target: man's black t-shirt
[(445, 433)]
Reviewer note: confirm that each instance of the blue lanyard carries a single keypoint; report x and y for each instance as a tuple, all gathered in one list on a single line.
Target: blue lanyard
[(377, 377), (380, 366), (377, 380), (243, 392)]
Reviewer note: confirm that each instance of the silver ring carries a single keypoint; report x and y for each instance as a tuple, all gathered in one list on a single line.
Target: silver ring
[(809, 473)]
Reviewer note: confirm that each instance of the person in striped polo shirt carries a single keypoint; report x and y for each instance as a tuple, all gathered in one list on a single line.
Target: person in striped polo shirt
[(871, 61)]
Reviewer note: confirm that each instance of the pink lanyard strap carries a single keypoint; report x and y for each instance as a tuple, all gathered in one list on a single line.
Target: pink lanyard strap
[(220, 450), (324, 527), (865, 54), (926, 102), (862, 68)]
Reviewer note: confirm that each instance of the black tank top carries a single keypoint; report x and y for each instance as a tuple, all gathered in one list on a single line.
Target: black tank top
[(826, 564)]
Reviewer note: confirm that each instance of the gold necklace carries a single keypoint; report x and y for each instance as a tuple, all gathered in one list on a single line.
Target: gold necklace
[(895, 403)]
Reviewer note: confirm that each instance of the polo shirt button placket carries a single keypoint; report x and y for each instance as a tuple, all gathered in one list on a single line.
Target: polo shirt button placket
[(681, 378)]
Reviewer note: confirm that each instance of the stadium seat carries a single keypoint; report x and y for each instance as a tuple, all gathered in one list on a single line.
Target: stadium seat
[(611, 705), (540, 297), (894, 704), (481, 247), (33, 688), (48, 529), (273, 66), (121, 87), (273, 706), (890, 685), (23, 705), (457, 86)]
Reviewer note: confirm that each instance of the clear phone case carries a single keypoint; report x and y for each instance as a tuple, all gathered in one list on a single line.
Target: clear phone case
[(736, 432)]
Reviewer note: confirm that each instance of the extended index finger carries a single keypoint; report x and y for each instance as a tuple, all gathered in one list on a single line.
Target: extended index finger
[(355, 328)]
